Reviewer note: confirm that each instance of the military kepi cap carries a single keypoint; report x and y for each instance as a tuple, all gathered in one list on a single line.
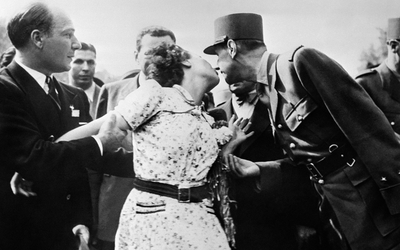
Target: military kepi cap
[(393, 31), (239, 26)]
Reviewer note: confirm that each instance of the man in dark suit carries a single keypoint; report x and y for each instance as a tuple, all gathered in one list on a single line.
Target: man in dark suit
[(328, 125), (114, 189), (262, 222), (35, 109), (383, 82), (81, 75)]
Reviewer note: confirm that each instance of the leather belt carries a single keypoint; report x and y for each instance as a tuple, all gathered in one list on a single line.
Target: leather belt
[(182, 194), (339, 157)]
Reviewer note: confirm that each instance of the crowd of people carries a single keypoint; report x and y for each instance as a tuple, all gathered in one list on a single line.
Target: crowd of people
[(299, 156)]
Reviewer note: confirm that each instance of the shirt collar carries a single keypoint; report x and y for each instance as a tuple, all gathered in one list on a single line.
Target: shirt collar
[(90, 92), (40, 78), (262, 75)]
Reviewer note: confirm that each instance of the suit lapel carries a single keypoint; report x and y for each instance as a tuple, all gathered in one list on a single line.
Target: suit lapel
[(67, 99), (272, 77), (227, 107), (93, 107), (43, 109), (259, 123)]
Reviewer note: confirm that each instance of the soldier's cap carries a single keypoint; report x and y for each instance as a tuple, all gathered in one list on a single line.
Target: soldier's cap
[(393, 32), (239, 26)]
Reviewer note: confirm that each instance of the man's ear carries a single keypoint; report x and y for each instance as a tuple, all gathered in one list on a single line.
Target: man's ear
[(232, 48), (394, 45), (37, 38), (135, 55), (186, 64)]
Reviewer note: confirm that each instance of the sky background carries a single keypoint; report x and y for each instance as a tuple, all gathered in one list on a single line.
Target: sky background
[(342, 29)]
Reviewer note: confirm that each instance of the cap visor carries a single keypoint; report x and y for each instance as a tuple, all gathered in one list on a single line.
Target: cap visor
[(209, 50)]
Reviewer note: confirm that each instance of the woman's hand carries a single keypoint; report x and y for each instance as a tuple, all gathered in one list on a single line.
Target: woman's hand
[(240, 167), (240, 132), (240, 128)]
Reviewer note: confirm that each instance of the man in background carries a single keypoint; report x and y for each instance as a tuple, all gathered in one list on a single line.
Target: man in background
[(81, 74), (114, 190), (383, 82)]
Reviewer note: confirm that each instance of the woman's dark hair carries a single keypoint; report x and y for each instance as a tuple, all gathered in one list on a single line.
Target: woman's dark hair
[(165, 64), (20, 27)]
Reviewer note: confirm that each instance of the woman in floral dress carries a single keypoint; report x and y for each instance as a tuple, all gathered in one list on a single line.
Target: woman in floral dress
[(174, 149)]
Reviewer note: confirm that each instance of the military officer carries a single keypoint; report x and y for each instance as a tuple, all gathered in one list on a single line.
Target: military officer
[(383, 82), (328, 125)]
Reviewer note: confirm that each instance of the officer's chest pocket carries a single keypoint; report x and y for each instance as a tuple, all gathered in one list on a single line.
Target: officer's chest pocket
[(296, 113), (372, 198)]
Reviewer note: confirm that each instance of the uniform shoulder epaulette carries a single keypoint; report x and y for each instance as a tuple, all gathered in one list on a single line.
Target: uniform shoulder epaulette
[(294, 52), (367, 72)]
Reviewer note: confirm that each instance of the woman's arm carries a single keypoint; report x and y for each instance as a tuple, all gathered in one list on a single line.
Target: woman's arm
[(93, 127)]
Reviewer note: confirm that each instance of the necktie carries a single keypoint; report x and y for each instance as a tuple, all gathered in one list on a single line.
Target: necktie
[(249, 98), (52, 91)]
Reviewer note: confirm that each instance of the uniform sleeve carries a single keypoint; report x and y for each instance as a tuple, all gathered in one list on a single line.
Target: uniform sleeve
[(141, 104), (361, 121)]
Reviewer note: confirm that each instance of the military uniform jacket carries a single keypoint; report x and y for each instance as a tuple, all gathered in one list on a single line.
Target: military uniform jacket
[(312, 100), (29, 123), (384, 88)]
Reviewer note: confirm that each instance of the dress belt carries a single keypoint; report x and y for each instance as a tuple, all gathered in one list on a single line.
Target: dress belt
[(339, 157), (185, 195)]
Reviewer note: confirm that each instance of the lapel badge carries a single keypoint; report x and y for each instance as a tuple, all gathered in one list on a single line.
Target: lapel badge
[(74, 112)]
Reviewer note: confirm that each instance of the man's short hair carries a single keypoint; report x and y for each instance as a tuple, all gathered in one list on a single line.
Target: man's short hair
[(36, 16), (157, 31), (88, 46)]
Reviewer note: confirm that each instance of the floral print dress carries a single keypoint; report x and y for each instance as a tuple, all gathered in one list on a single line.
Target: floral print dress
[(174, 144)]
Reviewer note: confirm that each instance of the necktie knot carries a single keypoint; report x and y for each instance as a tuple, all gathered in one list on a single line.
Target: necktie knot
[(52, 91)]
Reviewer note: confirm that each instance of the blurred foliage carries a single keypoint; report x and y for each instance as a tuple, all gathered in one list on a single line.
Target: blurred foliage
[(5, 42), (375, 54)]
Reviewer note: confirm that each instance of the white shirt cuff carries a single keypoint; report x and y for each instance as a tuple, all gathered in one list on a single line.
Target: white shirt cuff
[(77, 227), (99, 144)]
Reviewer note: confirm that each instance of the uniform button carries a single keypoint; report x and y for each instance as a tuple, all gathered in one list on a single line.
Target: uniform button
[(68, 197), (392, 123), (300, 118), (383, 179), (280, 126), (292, 145)]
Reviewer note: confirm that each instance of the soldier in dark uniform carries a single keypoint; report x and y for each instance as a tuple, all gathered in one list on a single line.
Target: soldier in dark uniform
[(328, 125), (383, 82)]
